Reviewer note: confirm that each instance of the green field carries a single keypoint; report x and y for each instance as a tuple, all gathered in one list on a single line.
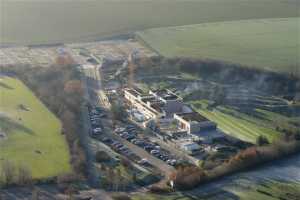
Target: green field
[(241, 125), (271, 44), (33, 133), (21, 22)]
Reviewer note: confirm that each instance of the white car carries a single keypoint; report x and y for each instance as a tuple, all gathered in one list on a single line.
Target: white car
[(97, 130), (154, 151), (143, 161), (171, 162)]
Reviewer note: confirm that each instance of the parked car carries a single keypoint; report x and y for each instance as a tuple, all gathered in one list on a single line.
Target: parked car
[(119, 145), (164, 157), (106, 140), (154, 151), (119, 129), (143, 161), (148, 148), (172, 162), (129, 137)]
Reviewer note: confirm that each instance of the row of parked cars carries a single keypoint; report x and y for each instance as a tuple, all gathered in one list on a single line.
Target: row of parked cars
[(129, 133), (95, 115), (122, 149)]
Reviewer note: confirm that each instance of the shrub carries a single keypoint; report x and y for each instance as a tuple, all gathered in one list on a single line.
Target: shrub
[(262, 140), (102, 156), (160, 189)]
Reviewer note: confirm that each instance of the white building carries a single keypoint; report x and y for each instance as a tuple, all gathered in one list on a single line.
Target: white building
[(194, 123)]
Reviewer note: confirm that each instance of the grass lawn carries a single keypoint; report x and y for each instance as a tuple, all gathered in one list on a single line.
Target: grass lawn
[(33, 134), (271, 44), (238, 124)]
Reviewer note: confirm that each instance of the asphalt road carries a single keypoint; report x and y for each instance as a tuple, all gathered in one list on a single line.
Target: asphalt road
[(86, 140)]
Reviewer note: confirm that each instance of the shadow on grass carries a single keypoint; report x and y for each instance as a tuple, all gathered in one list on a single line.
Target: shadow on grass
[(5, 86), (8, 125)]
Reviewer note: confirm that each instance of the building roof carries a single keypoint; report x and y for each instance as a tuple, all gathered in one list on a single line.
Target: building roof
[(165, 94), (190, 146), (148, 98), (192, 117), (133, 92), (158, 106)]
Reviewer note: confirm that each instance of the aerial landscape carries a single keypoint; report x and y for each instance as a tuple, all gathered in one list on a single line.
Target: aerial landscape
[(150, 99)]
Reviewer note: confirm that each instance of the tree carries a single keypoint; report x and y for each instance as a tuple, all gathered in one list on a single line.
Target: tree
[(24, 176), (187, 177), (262, 140), (8, 172), (219, 95), (118, 111), (102, 156)]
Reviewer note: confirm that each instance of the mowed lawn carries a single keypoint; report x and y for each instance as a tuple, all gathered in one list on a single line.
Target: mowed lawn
[(271, 44), (34, 136), (238, 124)]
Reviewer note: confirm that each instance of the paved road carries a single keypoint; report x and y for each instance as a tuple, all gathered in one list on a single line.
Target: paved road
[(87, 141)]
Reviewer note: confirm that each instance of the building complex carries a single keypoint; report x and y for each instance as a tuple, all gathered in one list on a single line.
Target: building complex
[(166, 109)]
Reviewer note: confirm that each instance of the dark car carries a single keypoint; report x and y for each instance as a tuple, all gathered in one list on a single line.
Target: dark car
[(148, 148), (130, 137), (107, 140)]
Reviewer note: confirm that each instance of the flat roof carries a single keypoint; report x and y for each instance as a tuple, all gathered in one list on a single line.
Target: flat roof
[(193, 116), (147, 98), (170, 97), (133, 92), (138, 90), (157, 106), (166, 94)]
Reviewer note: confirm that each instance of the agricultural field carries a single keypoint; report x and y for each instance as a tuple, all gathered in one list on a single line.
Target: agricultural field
[(269, 44), (22, 23), (31, 134)]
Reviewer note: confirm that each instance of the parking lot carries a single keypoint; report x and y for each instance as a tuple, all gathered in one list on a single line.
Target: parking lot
[(125, 141)]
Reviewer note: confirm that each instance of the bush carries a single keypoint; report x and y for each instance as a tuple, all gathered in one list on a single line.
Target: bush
[(118, 112), (102, 156), (262, 140), (160, 189)]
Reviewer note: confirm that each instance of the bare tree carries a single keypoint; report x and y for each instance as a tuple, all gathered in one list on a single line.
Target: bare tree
[(8, 172), (24, 176)]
